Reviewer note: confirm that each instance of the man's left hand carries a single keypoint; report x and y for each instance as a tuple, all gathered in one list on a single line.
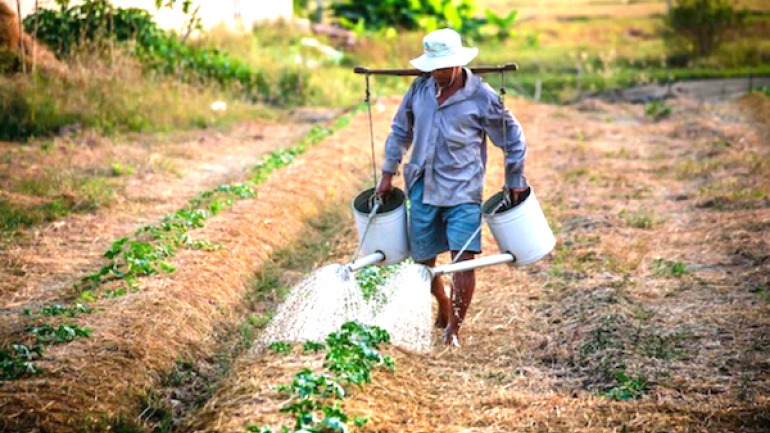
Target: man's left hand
[(518, 195)]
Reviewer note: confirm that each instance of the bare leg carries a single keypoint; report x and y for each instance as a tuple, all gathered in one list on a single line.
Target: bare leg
[(462, 294), (437, 289)]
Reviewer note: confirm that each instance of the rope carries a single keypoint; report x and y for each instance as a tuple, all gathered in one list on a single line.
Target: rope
[(371, 129)]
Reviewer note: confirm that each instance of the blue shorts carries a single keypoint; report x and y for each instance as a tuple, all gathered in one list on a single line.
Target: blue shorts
[(435, 229)]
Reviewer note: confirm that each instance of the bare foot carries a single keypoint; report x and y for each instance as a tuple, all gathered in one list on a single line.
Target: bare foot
[(450, 336), (441, 322)]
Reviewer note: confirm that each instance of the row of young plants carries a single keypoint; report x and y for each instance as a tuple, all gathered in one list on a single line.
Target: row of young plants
[(315, 398), (19, 359), (145, 253)]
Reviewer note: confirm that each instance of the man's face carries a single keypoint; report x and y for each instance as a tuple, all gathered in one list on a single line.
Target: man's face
[(444, 76)]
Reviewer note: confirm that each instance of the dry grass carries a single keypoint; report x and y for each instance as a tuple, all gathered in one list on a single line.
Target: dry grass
[(167, 171), (176, 316), (680, 305)]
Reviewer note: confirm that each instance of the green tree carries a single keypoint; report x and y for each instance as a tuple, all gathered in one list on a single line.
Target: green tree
[(703, 23)]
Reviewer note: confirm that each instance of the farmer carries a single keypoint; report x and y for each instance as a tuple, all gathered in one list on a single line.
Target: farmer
[(446, 117)]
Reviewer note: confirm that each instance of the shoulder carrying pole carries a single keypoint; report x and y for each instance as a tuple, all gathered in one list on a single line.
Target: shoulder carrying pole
[(417, 72)]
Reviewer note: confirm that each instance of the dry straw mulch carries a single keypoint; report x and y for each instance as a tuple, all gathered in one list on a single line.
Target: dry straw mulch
[(38, 266), (177, 316), (661, 274)]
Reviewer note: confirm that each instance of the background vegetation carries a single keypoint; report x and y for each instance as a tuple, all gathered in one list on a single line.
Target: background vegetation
[(563, 54)]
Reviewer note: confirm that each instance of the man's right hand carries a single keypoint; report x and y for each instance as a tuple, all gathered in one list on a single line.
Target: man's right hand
[(385, 186)]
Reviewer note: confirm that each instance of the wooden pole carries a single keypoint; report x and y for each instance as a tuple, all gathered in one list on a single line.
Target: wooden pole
[(417, 72)]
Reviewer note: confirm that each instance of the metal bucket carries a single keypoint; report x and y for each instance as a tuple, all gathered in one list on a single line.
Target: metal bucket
[(388, 230), (521, 230)]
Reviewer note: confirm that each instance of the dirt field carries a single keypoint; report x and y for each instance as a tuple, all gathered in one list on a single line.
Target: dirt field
[(658, 293)]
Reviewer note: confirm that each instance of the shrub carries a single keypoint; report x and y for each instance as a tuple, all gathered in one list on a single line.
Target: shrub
[(657, 110), (408, 14), (703, 23), (95, 25)]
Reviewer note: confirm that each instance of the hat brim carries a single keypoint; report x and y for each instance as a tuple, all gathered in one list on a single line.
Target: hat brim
[(461, 58)]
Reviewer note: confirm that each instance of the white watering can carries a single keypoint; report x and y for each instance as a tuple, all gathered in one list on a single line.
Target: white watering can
[(521, 232)]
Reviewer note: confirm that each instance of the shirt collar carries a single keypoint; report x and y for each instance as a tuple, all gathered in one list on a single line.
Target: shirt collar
[(472, 83)]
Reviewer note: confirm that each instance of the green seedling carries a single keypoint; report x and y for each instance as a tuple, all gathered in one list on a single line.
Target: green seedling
[(668, 268), (313, 347), (280, 347), (18, 360), (628, 389), (657, 110), (315, 398), (48, 335)]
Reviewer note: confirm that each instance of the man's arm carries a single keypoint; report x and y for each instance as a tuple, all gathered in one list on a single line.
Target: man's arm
[(514, 146), (398, 141)]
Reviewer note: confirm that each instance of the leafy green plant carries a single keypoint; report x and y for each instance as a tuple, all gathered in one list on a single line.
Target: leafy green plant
[(657, 110), (628, 388), (69, 311), (315, 398), (146, 252), (118, 169), (96, 24), (703, 23), (48, 335), (280, 347), (408, 14), (640, 219), (669, 268), (313, 347), (18, 360), (372, 278), (501, 23)]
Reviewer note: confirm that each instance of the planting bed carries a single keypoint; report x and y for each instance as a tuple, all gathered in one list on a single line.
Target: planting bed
[(651, 314)]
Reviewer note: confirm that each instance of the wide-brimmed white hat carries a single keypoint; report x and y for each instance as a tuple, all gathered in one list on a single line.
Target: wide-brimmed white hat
[(443, 49)]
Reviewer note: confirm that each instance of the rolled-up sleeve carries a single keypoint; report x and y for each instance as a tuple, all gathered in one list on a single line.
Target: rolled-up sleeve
[(514, 145), (401, 134)]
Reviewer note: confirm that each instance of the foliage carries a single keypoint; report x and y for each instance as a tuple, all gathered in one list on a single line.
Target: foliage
[(704, 23), (315, 398), (408, 14), (628, 388), (657, 110), (280, 347), (503, 24), (668, 268), (18, 360), (47, 334), (59, 310), (147, 251), (313, 346), (97, 25), (371, 279)]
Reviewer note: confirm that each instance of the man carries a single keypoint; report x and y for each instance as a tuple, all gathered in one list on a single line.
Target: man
[(446, 117)]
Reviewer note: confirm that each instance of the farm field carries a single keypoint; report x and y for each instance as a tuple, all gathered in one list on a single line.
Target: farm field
[(651, 314), (160, 196)]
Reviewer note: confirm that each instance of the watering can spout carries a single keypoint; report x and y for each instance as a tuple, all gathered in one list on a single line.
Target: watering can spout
[(367, 261), (468, 265)]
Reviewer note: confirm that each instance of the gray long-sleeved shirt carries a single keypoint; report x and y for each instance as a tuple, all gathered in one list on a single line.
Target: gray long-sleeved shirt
[(449, 141)]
